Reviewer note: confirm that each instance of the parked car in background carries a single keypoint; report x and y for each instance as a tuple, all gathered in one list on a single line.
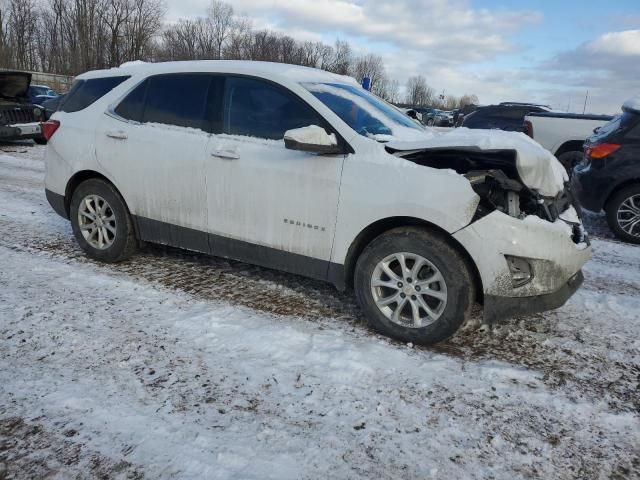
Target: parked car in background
[(434, 117), (51, 105), (507, 116), (19, 117), (463, 112), (40, 93), (563, 134), (307, 172), (609, 176), (444, 119), (428, 115)]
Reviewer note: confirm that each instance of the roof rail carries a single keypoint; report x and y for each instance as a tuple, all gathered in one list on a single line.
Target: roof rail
[(525, 104)]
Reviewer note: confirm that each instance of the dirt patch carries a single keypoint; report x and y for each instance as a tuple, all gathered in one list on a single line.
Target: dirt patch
[(29, 451)]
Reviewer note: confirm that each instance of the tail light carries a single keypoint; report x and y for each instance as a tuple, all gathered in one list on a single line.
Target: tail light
[(528, 128), (601, 150), (49, 128)]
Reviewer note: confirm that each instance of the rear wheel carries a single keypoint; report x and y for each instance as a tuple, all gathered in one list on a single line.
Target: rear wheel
[(413, 286), (623, 213), (101, 222)]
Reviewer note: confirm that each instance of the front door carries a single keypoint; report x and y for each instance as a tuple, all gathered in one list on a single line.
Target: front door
[(267, 204)]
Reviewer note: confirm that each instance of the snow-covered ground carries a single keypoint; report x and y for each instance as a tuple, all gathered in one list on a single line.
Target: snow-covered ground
[(176, 365)]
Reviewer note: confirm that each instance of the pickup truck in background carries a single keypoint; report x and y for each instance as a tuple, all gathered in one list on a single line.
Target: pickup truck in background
[(563, 134), (19, 117)]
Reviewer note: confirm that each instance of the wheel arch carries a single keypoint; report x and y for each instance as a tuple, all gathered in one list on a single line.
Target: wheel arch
[(570, 146), (624, 184), (80, 177), (374, 230)]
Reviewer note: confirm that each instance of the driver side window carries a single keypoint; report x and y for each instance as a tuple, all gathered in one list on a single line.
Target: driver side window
[(257, 108)]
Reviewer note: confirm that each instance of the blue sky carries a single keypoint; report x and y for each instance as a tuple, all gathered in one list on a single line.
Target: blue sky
[(542, 51)]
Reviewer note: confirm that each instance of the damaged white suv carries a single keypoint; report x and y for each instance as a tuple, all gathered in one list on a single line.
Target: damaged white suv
[(304, 171)]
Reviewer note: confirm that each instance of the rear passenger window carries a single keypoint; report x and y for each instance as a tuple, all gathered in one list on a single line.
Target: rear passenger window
[(179, 99), (132, 107), (84, 92), (260, 109)]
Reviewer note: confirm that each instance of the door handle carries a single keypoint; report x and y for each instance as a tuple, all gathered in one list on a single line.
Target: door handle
[(119, 135), (226, 154)]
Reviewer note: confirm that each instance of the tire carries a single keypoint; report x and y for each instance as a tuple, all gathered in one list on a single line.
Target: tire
[(458, 287), (119, 242), (430, 122), (40, 141), (624, 207), (569, 160)]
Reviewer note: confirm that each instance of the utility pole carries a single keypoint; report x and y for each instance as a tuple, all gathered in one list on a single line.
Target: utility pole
[(585, 102)]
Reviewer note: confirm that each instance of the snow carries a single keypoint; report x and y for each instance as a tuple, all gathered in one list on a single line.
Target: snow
[(175, 366), (312, 135), (268, 69), (632, 104)]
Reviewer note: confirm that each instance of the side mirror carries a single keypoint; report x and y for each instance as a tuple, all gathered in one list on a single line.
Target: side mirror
[(312, 139)]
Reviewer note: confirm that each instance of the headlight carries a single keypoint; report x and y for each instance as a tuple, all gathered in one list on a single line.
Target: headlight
[(37, 112)]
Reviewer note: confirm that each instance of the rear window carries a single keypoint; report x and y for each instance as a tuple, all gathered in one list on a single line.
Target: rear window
[(84, 92), (609, 128)]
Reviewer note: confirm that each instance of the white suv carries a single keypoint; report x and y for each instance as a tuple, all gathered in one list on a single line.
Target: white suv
[(304, 171)]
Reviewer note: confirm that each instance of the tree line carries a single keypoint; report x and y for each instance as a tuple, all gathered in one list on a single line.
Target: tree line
[(69, 37)]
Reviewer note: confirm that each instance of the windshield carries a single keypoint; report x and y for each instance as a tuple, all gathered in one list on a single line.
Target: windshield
[(364, 112)]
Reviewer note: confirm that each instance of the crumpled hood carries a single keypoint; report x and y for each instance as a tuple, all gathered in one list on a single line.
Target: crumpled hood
[(537, 167), (14, 85)]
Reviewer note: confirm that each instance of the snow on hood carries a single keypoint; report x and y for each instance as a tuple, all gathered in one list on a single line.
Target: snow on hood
[(632, 104), (537, 167)]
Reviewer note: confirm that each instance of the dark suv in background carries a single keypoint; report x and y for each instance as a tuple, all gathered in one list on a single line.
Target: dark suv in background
[(609, 175), (507, 116)]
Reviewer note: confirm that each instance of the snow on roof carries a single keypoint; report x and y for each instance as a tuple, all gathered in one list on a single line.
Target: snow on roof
[(632, 104), (294, 73)]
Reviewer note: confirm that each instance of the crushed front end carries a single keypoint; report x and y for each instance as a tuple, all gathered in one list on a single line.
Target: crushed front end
[(529, 248)]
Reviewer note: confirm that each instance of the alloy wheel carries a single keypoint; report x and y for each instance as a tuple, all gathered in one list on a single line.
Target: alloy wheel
[(97, 222), (628, 215), (409, 290)]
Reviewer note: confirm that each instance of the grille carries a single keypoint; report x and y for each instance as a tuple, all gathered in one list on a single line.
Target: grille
[(13, 115)]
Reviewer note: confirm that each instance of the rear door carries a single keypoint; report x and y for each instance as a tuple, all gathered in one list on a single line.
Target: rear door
[(277, 206), (153, 145)]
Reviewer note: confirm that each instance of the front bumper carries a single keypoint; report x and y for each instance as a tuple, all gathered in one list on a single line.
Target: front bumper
[(20, 131), (496, 308), (550, 249)]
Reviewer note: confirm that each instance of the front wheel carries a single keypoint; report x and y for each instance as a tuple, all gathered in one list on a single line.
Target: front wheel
[(623, 214), (413, 286), (101, 222), (430, 122)]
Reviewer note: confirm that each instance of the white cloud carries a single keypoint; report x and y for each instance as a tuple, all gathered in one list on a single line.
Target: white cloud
[(442, 29), (616, 43)]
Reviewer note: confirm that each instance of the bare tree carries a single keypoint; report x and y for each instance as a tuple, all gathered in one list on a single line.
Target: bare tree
[(468, 100), (418, 92), (372, 67), (220, 19), (342, 58)]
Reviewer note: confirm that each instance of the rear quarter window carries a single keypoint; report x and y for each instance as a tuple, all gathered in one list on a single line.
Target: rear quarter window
[(85, 92)]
